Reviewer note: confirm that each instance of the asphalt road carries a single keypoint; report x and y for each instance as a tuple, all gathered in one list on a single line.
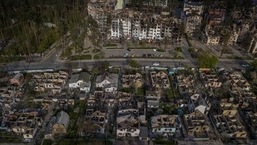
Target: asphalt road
[(52, 61), (22, 65)]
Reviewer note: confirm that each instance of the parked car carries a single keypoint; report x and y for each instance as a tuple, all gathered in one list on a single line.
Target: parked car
[(245, 65), (126, 55), (156, 64)]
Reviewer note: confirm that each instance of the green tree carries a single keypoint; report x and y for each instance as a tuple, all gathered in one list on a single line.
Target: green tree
[(23, 21), (206, 60), (134, 64), (254, 65), (100, 67)]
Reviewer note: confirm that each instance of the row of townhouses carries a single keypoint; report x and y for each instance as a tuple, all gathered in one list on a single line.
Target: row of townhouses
[(200, 104)]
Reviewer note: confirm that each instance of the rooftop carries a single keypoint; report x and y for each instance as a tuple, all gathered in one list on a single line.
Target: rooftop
[(84, 76)]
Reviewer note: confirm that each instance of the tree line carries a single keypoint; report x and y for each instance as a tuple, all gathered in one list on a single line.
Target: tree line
[(24, 23)]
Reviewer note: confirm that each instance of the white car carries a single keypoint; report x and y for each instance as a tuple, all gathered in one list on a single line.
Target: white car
[(156, 64), (245, 65), (125, 55)]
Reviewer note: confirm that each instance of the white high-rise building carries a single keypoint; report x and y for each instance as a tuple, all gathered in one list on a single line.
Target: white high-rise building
[(126, 27), (116, 26)]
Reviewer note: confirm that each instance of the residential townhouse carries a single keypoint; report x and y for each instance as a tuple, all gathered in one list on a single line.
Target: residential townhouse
[(153, 99), (61, 102), (25, 123), (131, 117), (95, 101), (229, 125), (52, 81), (240, 87), (96, 116), (210, 79), (17, 79), (198, 126), (108, 82), (186, 84), (190, 91), (81, 81), (165, 125), (124, 98), (109, 100), (57, 126), (159, 80), (97, 120), (127, 123), (132, 80)]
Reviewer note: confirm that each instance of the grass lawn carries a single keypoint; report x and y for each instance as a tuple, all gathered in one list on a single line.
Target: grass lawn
[(110, 45), (10, 59), (48, 142), (96, 50), (81, 57), (160, 50), (83, 142), (165, 142), (178, 57), (143, 47), (178, 49), (98, 56), (140, 91), (113, 48)]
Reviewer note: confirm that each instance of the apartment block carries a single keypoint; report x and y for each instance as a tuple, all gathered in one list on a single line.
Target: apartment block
[(192, 16)]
